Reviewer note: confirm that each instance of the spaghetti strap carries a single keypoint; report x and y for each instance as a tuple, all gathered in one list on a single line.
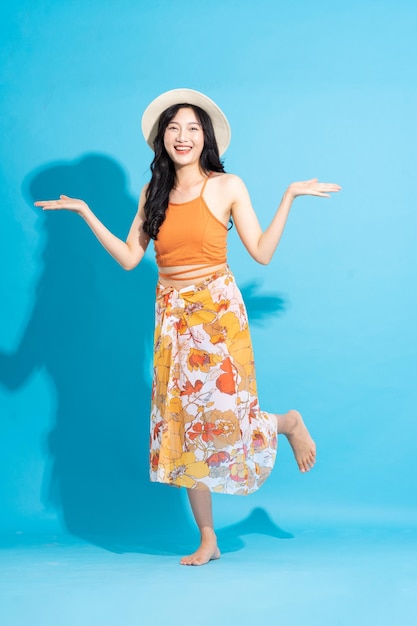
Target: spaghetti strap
[(204, 185)]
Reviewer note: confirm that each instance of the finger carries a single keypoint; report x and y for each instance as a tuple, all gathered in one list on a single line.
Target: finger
[(326, 190), (330, 186), (48, 204), (42, 203)]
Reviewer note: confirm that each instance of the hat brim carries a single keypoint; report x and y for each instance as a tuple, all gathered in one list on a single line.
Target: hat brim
[(153, 111)]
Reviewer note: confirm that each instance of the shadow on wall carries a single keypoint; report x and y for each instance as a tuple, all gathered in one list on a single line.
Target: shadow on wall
[(91, 328), (260, 306)]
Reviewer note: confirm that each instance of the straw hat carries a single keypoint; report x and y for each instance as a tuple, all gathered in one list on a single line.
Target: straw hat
[(189, 96)]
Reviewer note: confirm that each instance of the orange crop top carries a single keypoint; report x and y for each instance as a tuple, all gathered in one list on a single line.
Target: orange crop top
[(190, 235)]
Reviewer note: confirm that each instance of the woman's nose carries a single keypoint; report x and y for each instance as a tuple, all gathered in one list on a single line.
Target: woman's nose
[(182, 134)]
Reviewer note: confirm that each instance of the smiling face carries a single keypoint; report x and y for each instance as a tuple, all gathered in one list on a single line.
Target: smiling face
[(184, 138)]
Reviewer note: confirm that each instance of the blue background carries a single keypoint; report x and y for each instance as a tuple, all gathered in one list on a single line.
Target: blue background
[(311, 89)]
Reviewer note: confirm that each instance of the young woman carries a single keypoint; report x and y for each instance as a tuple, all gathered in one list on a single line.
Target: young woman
[(208, 433)]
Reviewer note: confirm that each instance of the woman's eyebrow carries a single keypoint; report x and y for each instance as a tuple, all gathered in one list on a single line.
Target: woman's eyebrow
[(187, 124)]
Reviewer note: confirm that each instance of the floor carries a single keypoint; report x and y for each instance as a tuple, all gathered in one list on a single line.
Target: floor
[(336, 576)]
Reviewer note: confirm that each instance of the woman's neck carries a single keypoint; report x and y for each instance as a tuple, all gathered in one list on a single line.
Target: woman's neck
[(186, 178)]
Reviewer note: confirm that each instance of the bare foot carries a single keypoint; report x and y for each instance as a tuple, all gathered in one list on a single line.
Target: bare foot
[(300, 441), (207, 551)]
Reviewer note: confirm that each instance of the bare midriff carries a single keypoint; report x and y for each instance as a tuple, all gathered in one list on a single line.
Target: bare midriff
[(187, 275)]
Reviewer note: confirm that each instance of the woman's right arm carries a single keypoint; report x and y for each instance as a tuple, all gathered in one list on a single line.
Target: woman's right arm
[(128, 253)]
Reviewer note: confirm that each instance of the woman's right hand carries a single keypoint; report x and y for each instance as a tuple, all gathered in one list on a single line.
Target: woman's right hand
[(128, 253), (64, 202)]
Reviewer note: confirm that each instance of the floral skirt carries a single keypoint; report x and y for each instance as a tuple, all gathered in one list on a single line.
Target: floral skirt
[(207, 431)]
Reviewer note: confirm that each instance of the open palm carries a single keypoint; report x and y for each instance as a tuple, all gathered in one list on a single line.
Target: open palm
[(312, 187), (64, 202)]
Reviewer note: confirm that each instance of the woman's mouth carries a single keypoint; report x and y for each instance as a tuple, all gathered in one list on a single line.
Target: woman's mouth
[(183, 149)]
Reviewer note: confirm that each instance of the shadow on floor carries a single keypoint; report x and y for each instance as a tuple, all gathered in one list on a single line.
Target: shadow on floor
[(181, 541)]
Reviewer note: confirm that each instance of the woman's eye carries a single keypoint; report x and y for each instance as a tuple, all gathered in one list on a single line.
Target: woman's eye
[(194, 128)]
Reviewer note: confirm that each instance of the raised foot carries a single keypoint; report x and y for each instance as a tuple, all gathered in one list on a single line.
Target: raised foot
[(208, 551), (300, 441)]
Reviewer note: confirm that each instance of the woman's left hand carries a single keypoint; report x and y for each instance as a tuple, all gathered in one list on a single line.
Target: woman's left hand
[(312, 187)]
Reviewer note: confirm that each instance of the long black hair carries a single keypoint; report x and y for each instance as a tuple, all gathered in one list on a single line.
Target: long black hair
[(163, 171)]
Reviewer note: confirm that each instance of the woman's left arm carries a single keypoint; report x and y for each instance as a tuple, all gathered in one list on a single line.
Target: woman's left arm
[(262, 245)]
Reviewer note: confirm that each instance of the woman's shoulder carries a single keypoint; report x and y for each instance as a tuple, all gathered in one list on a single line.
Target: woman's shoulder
[(226, 181), (226, 190)]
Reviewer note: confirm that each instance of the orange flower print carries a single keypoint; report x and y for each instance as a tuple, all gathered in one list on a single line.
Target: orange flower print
[(206, 431), (222, 305), (154, 460), (230, 434), (215, 339), (181, 326), (201, 360), (253, 414), (189, 388), (166, 299), (157, 429), (217, 458), (226, 382)]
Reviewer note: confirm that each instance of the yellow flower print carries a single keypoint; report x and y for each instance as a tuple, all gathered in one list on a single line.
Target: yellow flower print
[(196, 314), (232, 325), (228, 428), (240, 349), (207, 427), (175, 405), (186, 471), (216, 332), (176, 312), (171, 441), (239, 469)]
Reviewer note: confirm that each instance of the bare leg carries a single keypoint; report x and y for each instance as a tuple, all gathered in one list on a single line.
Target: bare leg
[(292, 426), (200, 501)]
